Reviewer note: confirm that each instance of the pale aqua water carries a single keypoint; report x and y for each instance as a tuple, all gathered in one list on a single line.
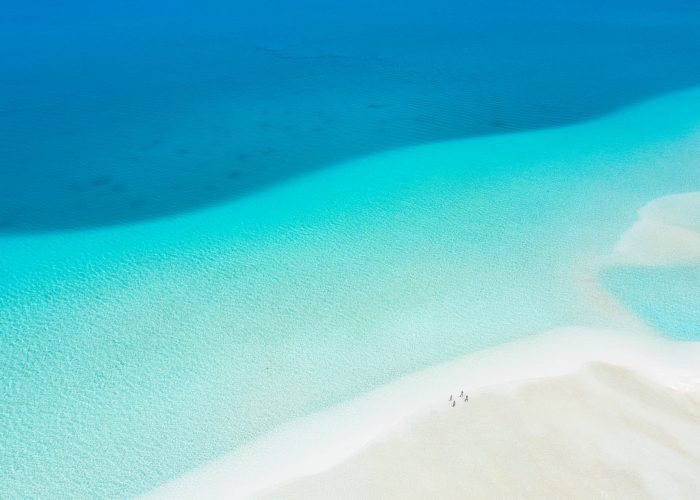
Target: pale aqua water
[(131, 354), (667, 298)]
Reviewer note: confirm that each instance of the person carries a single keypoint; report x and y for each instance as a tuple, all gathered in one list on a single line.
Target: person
[(450, 398), (461, 394), (453, 404), (466, 398)]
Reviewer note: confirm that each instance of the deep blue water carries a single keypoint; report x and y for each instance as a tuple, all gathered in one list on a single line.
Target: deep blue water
[(134, 353), (118, 111)]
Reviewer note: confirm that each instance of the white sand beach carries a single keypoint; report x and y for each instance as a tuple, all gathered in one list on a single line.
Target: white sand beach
[(576, 412), (601, 432)]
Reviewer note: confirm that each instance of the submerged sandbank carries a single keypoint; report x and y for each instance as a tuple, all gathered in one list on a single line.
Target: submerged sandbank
[(667, 231), (648, 381)]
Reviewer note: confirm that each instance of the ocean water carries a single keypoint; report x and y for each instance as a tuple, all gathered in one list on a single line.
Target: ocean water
[(134, 353), (146, 329), (667, 298), (112, 112)]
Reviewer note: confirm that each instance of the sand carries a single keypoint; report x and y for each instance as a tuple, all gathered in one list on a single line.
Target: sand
[(575, 412), (602, 432), (623, 423), (667, 232)]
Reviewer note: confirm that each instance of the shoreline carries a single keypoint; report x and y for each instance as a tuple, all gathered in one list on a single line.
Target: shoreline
[(601, 431), (663, 234), (324, 440)]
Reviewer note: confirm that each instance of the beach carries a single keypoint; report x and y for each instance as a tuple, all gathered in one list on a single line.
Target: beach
[(601, 432), (576, 412)]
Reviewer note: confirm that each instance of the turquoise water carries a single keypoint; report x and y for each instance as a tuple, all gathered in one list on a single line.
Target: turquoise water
[(216, 217), (133, 353), (667, 298)]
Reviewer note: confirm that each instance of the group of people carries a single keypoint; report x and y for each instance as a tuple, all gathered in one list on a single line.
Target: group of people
[(462, 396)]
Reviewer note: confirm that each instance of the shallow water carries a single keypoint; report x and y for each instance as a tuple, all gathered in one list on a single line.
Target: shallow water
[(214, 220), (134, 353), (116, 112), (667, 298)]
